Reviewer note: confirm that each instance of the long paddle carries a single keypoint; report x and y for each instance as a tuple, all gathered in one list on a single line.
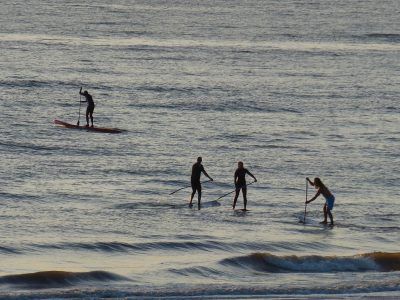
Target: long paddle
[(80, 102), (232, 191), (305, 204), (185, 187)]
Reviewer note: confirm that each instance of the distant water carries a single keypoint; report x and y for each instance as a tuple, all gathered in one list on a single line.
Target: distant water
[(292, 88)]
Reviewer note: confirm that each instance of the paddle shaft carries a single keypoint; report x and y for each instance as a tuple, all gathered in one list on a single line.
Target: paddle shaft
[(232, 191), (185, 187)]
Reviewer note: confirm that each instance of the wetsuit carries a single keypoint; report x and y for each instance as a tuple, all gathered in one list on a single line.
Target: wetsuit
[(90, 106), (240, 174), (197, 168), (240, 183)]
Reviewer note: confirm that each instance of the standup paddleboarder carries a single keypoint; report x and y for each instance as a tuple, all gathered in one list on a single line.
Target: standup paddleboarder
[(90, 106), (240, 183), (197, 169), (329, 198)]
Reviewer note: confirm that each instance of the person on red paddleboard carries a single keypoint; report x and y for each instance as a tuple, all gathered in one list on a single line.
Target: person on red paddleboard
[(240, 183), (90, 106)]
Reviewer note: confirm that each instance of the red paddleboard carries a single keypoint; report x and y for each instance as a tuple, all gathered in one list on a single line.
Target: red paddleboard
[(95, 129)]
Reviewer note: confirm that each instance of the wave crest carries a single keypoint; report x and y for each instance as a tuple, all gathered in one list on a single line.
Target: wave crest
[(59, 278), (266, 262)]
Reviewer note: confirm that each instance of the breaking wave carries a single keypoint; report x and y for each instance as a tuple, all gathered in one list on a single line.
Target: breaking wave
[(48, 279), (265, 262)]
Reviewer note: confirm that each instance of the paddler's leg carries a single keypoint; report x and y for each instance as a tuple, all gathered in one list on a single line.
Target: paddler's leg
[(330, 215), (329, 206), (325, 221), (199, 196), (87, 116), (236, 197), (193, 193), (91, 110), (244, 191)]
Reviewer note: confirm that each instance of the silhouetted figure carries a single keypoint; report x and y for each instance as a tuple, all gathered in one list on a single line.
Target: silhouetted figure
[(197, 169), (329, 198), (240, 184), (90, 106)]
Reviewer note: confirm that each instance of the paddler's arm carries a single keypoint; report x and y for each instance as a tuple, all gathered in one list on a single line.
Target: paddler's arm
[(235, 177), (80, 93), (205, 173), (315, 197), (308, 179), (255, 179)]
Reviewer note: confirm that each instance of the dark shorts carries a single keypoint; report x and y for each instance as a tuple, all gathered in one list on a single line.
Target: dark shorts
[(241, 186), (90, 109), (196, 185)]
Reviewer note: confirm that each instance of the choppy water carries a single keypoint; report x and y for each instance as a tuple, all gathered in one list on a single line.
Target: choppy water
[(292, 88)]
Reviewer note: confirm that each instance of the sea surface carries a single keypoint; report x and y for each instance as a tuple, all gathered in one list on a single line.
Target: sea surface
[(292, 88)]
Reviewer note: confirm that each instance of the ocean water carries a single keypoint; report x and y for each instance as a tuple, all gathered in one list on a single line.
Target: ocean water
[(293, 88)]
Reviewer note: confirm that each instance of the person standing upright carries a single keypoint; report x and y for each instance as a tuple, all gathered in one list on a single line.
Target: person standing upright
[(197, 169), (90, 106), (240, 184)]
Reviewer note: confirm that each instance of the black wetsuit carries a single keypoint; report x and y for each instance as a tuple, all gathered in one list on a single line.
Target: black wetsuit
[(240, 174), (197, 168), (240, 183), (90, 102)]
